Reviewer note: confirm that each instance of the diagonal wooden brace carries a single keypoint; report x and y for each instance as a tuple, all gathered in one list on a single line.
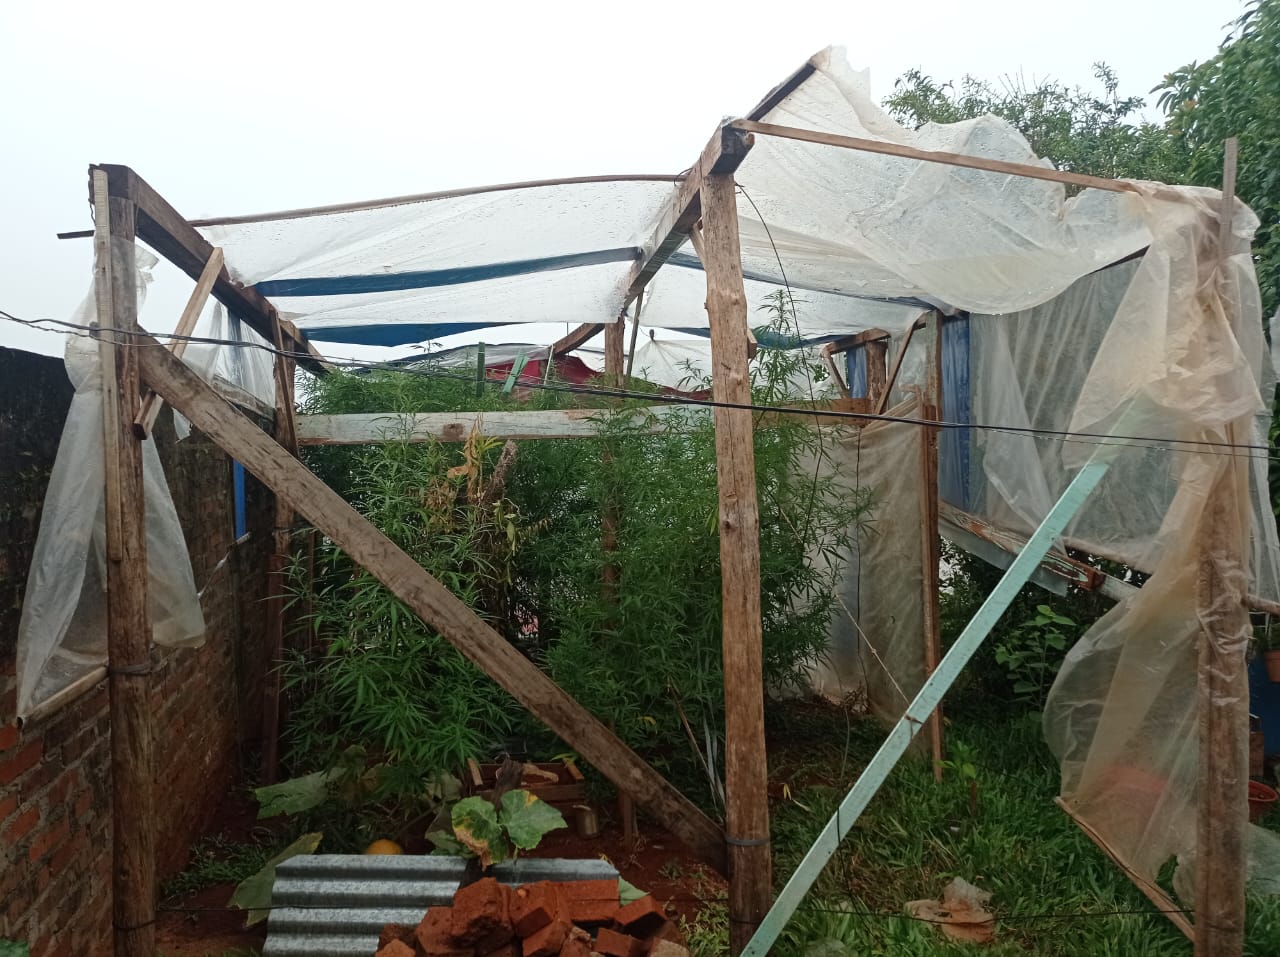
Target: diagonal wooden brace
[(430, 600)]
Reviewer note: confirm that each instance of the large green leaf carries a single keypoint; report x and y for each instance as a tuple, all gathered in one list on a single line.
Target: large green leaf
[(294, 795), (527, 819), (11, 948), (475, 823), (254, 893), (445, 844), (628, 892)]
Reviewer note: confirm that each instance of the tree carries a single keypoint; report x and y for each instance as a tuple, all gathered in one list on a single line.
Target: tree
[(1237, 93), (1078, 130)]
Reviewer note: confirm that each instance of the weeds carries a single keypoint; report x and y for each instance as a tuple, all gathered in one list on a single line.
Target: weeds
[(216, 860)]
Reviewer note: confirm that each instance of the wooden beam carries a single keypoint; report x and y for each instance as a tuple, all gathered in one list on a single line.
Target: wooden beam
[(783, 90), (369, 428), (846, 343), (893, 374), (745, 766), (877, 353), (723, 154), (430, 600), (937, 156), (930, 548), (151, 403), (635, 334), (1223, 690), (575, 339), (1164, 903), (162, 228), (277, 569), (614, 334), (128, 619)]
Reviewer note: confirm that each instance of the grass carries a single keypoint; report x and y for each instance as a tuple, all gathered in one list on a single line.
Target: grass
[(1053, 892), (216, 860)]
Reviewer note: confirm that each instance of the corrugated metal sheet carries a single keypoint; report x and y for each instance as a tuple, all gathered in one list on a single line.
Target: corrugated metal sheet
[(334, 905)]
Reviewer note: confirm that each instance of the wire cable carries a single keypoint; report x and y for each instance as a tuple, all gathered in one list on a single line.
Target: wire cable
[(1155, 443)]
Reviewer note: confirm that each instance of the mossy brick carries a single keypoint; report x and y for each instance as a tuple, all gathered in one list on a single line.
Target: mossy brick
[(667, 948)]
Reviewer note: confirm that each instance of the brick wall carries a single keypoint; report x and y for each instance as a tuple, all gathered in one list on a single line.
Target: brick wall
[(55, 795)]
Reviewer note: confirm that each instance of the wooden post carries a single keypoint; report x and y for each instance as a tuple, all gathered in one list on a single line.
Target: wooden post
[(277, 568), (610, 518), (931, 409), (1222, 813), (745, 771), (877, 354), (635, 334), (128, 622)]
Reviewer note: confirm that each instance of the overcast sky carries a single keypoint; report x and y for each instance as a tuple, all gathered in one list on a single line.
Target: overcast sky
[(236, 107)]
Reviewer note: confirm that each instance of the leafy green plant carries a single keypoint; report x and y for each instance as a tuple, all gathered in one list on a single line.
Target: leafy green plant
[(1033, 653), (253, 894), (963, 762), (645, 654), (12, 948), (495, 834)]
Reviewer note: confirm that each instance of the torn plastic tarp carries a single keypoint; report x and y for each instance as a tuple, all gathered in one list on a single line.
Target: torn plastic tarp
[(62, 635)]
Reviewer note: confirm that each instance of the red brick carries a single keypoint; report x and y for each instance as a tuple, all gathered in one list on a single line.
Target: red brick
[(510, 949), (397, 948), (577, 944), (480, 911), (548, 941), (21, 826), (47, 839), (611, 943), (8, 806), (8, 737), (641, 917), (591, 902), (392, 932), (433, 935), (534, 906), (23, 760)]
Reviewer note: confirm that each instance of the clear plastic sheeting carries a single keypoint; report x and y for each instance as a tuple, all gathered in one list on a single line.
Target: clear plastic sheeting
[(558, 252), (1181, 356), (866, 224), (238, 357), (876, 644), (62, 635)]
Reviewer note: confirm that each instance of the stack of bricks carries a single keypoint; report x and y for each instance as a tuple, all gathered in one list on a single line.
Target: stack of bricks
[(547, 919)]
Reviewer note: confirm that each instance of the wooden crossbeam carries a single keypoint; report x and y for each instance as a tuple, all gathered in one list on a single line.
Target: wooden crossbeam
[(938, 156), (725, 151), (162, 228), (427, 597), (151, 402)]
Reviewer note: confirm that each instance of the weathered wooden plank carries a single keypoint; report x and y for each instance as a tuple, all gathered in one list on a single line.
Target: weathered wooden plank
[(366, 428), (162, 228), (930, 550), (128, 619), (723, 154), (1164, 903), (146, 420), (286, 434), (457, 623), (1223, 689), (745, 766), (877, 353), (937, 156)]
